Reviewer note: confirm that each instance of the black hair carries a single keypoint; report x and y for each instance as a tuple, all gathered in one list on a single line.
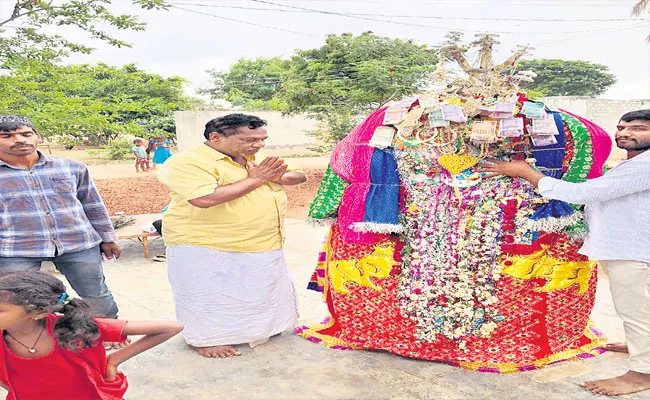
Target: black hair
[(8, 126), (228, 124), (137, 140), (639, 115), (39, 293)]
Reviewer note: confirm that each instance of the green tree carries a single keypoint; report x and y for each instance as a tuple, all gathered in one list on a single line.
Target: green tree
[(350, 76), (95, 101), (251, 84), (567, 78), (338, 84), (26, 28)]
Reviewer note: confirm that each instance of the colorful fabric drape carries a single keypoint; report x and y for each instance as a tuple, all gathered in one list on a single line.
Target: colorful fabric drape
[(351, 160), (484, 273), (550, 157), (382, 202), (535, 331), (601, 144), (582, 161), (328, 198)]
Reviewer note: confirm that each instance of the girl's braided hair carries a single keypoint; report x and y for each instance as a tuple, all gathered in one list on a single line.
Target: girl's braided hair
[(40, 293)]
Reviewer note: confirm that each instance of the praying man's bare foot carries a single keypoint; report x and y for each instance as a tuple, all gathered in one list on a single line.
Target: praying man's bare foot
[(217, 351), (631, 382), (620, 347)]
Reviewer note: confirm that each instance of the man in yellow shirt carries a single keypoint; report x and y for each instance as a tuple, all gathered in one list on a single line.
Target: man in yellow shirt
[(224, 237)]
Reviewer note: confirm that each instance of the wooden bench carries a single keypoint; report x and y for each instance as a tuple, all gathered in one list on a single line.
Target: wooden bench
[(134, 231)]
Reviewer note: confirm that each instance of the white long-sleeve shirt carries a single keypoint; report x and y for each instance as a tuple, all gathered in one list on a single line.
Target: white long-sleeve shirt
[(617, 209)]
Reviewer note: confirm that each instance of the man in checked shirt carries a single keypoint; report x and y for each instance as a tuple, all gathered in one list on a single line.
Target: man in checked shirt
[(50, 211), (618, 217)]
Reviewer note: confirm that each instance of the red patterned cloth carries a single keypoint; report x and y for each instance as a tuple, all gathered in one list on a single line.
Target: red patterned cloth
[(535, 331)]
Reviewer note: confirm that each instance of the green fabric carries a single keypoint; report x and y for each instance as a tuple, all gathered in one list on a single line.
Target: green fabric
[(328, 198), (583, 159)]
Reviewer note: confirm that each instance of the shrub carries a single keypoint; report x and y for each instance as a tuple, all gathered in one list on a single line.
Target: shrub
[(119, 149)]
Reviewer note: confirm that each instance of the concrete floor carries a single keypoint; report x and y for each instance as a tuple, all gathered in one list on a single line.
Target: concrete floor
[(289, 367)]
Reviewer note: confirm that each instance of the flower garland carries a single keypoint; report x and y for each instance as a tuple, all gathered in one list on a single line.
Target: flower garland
[(451, 263)]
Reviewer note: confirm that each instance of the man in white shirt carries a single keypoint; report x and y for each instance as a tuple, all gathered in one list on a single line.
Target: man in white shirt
[(618, 217)]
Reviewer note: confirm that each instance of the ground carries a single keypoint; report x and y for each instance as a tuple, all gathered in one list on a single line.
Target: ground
[(289, 367)]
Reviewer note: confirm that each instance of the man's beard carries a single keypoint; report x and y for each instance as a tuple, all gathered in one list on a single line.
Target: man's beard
[(636, 147)]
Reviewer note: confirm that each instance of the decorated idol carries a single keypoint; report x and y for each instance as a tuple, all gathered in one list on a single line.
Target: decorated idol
[(428, 259)]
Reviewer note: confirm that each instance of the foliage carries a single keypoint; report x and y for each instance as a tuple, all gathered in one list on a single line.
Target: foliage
[(337, 84), (30, 30), (120, 149), (567, 78), (99, 102), (164, 126), (452, 38), (251, 84), (350, 76)]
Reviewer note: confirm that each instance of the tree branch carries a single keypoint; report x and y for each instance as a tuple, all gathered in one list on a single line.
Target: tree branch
[(16, 16)]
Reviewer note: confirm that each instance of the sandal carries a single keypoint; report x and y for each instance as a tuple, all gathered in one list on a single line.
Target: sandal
[(160, 258)]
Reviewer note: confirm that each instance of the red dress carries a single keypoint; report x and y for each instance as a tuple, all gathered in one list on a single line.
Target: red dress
[(63, 374)]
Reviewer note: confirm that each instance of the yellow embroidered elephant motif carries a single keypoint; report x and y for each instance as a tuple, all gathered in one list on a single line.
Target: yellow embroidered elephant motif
[(559, 274), (377, 264)]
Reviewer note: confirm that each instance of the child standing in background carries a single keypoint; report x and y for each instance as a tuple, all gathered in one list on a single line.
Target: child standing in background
[(141, 160), (51, 347), (162, 152), (151, 147)]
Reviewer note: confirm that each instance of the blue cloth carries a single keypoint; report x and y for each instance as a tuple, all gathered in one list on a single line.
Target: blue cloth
[(161, 154), (83, 269), (550, 157), (382, 203), (54, 208), (553, 209)]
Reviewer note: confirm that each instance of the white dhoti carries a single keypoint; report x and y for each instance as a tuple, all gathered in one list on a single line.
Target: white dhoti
[(226, 298)]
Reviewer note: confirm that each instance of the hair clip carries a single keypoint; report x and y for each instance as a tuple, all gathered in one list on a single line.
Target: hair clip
[(63, 297)]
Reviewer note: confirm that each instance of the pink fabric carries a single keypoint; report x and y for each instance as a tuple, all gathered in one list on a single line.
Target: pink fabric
[(601, 142), (351, 161)]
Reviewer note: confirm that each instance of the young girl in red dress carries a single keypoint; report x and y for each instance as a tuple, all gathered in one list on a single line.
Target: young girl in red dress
[(52, 347)]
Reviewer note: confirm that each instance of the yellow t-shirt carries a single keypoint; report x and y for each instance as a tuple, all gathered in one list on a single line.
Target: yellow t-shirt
[(251, 223)]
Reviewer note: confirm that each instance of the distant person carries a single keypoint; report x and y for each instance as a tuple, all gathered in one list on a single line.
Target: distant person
[(224, 237), (151, 147), (140, 153), (51, 347), (50, 210), (162, 152), (617, 213)]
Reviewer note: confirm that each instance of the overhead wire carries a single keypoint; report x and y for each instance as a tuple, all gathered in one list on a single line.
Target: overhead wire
[(247, 22), (592, 34), (557, 3), (416, 25), (438, 17), (589, 33)]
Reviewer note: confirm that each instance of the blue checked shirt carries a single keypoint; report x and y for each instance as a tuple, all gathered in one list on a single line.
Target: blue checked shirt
[(52, 209)]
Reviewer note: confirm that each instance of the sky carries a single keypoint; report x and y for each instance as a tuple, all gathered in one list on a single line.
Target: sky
[(197, 35)]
